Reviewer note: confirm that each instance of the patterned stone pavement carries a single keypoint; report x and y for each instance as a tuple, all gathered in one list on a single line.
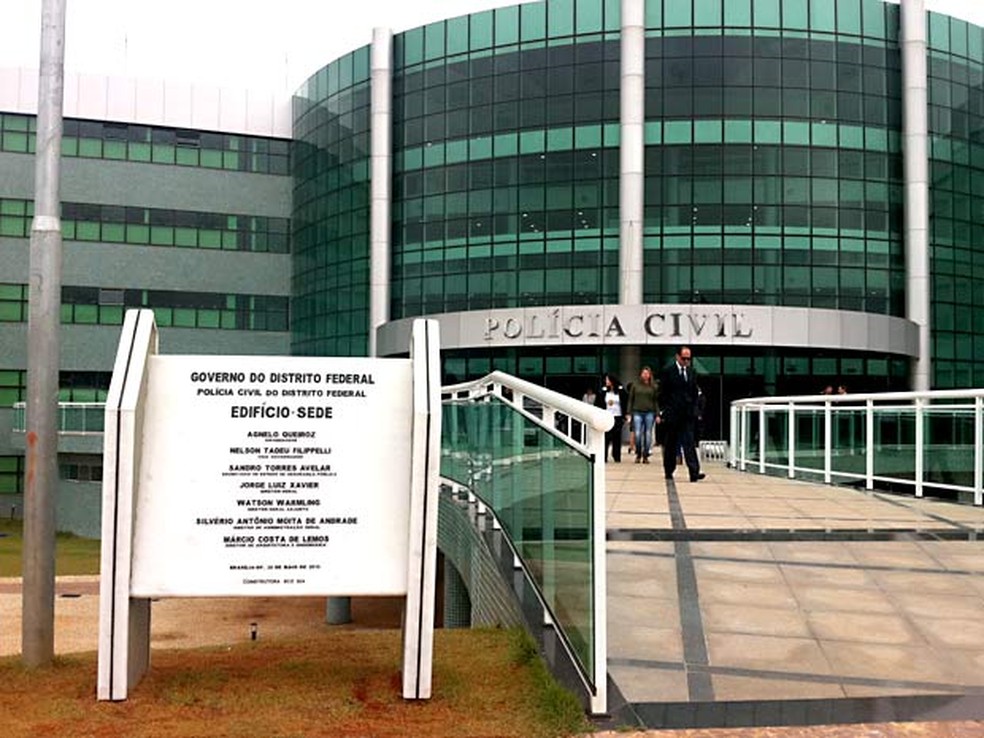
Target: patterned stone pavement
[(746, 590)]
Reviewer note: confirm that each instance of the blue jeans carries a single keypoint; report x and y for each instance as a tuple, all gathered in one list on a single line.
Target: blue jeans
[(642, 423)]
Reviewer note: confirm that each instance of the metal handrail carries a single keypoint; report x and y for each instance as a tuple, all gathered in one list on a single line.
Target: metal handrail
[(916, 416)]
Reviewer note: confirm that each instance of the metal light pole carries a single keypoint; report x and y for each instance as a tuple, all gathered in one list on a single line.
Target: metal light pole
[(44, 307)]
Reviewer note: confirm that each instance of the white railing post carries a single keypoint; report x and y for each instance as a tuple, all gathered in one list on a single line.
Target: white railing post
[(516, 474), (550, 418), (791, 439), (548, 525), (827, 434), (920, 440), (869, 444), (735, 434), (744, 437), (596, 443), (761, 439), (978, 451)]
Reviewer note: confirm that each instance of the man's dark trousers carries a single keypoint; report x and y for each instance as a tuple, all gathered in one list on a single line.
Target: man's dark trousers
[(677, 435)]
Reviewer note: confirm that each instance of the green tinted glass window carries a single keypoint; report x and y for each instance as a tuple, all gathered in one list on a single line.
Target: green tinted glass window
[(85, 314), (16, 142), (737, 13), (677, 15), (795, 14), (185, 237), (822, 14), (114, 232), (589, 16), (13, 226), (186, 156), (457, 30), (707, 13), (506, 26), (434, 41), (184, 318), (482, 30), (975, 44), (161, 154), (114, 150), (613, 15), (86, 231), (849, 17), (139, 152), (208, 318), (958, 37), (560, 18), (939, 32), (162, 236), (766, 13), (110, 315), (533, 21), (139, 234), (873, 14)]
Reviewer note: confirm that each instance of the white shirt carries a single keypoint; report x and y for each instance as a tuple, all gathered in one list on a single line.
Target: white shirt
[(613, 403)]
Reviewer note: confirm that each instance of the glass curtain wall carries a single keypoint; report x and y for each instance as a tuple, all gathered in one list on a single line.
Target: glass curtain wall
[(956, 126), (773, 167), (330, 236), (506, 159)]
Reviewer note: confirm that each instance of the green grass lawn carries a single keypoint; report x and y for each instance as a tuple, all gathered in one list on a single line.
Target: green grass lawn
[(339, 682), (73, 555)]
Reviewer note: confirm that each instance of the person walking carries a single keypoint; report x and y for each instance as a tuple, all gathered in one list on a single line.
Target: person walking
[(643, 407), (613, 399), (678, 404)]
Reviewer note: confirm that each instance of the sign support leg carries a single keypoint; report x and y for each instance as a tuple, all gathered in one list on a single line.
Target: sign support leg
[(418, 622), (124, 621)]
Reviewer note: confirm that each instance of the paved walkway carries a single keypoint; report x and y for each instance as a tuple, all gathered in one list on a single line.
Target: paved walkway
[(187, 622), (789, 597)]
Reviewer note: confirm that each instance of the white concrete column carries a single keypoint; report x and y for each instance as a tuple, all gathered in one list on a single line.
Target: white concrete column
[(915, 148), (632, 150), (381, 87), (338, 610)]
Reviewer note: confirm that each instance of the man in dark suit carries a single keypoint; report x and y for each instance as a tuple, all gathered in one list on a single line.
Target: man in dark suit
[(678, 409)]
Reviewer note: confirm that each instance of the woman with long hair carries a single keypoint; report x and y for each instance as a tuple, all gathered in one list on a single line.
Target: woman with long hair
[(644, 409), (612, 398)]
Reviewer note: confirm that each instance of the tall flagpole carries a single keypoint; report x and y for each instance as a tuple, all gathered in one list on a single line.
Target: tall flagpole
[(44, 307)]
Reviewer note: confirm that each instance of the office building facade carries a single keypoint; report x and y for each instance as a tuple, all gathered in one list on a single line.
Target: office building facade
[(192, 222), (577, 186)]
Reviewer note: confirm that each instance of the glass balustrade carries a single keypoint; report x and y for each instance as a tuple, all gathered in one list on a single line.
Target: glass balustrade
[(923, 441), (540, 489)]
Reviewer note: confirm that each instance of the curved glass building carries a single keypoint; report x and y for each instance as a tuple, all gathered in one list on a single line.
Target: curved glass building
[(792, 187)]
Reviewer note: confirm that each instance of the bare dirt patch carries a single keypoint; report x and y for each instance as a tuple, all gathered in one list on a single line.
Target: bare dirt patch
[(333, 682)]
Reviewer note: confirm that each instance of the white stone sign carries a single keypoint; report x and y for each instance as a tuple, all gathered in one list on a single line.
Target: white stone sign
[(273, 476), (266, 476)]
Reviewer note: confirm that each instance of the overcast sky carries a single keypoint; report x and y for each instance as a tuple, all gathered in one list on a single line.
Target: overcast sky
[(257, 45)]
